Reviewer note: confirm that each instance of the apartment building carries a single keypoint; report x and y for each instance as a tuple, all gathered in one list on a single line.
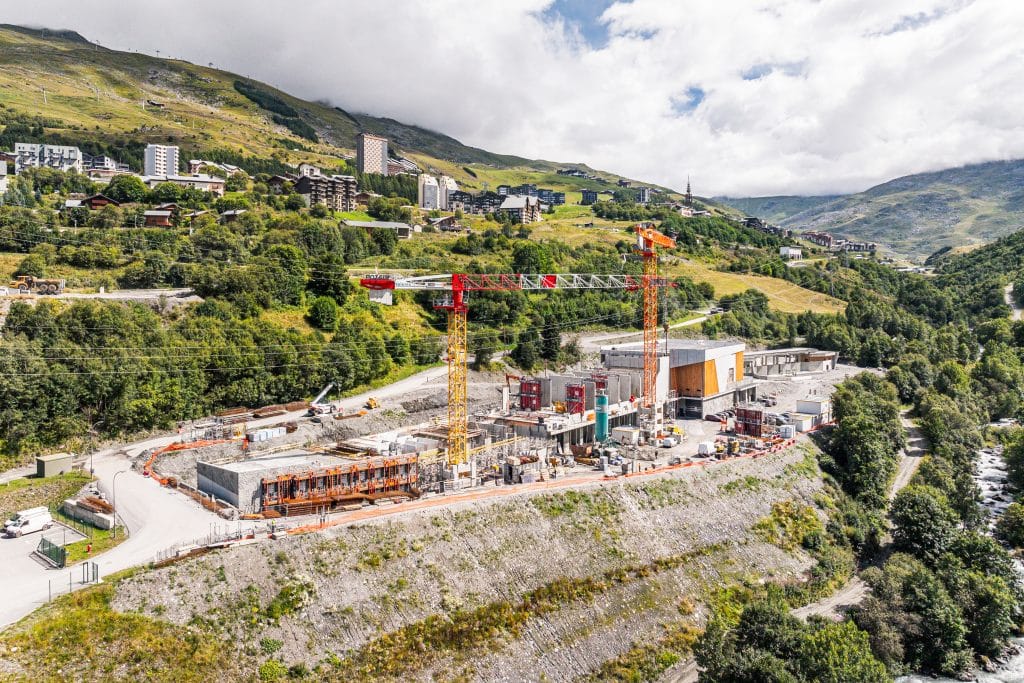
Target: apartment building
[(429, 192), (161, 160), (447, 187), (198, 181), (522, 208), (336, 192), (589, 197), (372, 153), (60, 157)]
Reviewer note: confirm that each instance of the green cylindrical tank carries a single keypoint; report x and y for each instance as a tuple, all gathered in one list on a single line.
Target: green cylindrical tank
[(601, 418)]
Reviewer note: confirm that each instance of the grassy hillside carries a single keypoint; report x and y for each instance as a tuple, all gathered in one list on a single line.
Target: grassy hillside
[(915, 215), (775, 209), (84, 93)]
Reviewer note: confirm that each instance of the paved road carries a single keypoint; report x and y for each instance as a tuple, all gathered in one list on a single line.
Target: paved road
[(1016, 313), (157, 518), (855, 590), (594, 342)]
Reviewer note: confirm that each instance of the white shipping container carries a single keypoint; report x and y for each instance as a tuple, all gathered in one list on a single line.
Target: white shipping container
[(813, 406), (706, 448), (627, 436), (787, 431)]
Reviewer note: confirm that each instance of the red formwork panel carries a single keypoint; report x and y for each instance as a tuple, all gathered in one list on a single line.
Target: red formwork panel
[(529, 394), (575, 398)]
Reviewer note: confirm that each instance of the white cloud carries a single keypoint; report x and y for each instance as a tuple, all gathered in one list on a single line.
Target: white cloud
[(799, 96)]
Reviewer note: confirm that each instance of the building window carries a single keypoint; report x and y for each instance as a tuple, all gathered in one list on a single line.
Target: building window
[(732, 375)]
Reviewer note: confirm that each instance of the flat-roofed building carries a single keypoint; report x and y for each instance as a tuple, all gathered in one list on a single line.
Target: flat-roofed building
[(699, 376), (60, 157), (336, 192), (372, 153), (786, 362)]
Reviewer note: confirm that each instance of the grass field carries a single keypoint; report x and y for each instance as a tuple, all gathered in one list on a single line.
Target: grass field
[(22, 494), (782, 295)]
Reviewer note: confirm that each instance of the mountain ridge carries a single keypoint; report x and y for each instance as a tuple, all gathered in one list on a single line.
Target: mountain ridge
[(116, 101), (914, 215)]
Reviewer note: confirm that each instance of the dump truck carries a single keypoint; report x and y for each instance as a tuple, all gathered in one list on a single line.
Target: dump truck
[(27, 283)]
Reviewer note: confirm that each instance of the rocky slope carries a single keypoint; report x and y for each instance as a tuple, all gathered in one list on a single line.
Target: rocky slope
[(548, 586)]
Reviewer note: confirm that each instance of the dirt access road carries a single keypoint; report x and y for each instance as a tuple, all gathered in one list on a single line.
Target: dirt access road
[(855, 590), (1016, 313)]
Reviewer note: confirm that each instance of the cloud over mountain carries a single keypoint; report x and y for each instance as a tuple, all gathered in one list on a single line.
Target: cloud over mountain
[(755, 97)]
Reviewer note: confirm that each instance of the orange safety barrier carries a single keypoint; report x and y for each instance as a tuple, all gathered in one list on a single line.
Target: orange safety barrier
[(147, 469)]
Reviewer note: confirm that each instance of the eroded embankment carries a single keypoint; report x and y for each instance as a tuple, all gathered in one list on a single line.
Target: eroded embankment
[(553, 585)]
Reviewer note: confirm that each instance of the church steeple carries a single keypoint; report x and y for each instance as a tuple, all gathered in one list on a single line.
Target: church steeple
[(689, 195)]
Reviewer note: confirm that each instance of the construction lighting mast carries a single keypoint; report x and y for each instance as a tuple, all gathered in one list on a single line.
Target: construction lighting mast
[(647, 239), (454, 288)]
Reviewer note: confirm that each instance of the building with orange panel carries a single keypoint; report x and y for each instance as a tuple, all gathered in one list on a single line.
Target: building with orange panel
[(696, 376)]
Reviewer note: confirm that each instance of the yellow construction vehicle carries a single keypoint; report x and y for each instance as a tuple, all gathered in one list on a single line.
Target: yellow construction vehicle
[(372, 403), (26, 283)]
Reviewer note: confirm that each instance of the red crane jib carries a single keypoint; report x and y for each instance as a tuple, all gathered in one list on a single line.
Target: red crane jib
[(487, 282)]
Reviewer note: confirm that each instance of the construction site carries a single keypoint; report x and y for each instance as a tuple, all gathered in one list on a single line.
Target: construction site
[(657, 403)]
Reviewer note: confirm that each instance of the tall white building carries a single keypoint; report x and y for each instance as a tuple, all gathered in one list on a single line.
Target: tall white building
[(371, 153), (33, 155), (429, 192), (447, 186), (3, 177), (161, 160)]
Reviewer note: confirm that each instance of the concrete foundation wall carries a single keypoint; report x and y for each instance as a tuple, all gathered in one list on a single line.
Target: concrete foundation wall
[(219, 482), (100, 520)]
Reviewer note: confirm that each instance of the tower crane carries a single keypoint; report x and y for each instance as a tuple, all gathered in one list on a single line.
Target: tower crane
[(647, 240), (453, 289)]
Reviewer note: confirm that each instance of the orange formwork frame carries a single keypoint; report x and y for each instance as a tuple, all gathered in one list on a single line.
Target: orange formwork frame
[(369, 479)]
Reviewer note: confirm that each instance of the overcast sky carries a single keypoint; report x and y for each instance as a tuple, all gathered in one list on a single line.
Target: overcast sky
[(748, 97)]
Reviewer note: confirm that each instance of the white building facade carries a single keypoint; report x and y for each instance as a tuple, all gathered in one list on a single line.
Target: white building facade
[(33, 155), (447, 186), (429, 192), (372, 154), (161, 160)]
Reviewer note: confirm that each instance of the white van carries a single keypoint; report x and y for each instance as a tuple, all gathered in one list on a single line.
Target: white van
[(28, 521)]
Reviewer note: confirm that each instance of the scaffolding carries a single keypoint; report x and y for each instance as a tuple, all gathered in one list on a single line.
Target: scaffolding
[(366, 479)]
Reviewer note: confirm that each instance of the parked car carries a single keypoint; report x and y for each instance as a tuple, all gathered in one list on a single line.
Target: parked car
[(712, 418), (28, 521)]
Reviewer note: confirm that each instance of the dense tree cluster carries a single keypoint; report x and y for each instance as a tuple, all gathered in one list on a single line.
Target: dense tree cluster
[(767, 643)]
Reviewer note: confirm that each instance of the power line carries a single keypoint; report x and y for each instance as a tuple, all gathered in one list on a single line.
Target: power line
[(325, 350)]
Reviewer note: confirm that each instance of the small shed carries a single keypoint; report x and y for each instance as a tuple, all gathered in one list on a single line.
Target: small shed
[(231, 215), (158, 219), (53, 464)]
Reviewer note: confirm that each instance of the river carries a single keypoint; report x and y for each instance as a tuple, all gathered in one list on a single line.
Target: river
[(990, 476)]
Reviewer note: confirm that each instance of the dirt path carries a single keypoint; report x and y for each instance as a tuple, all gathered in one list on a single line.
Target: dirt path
[(1016, 313), (855, 590)]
